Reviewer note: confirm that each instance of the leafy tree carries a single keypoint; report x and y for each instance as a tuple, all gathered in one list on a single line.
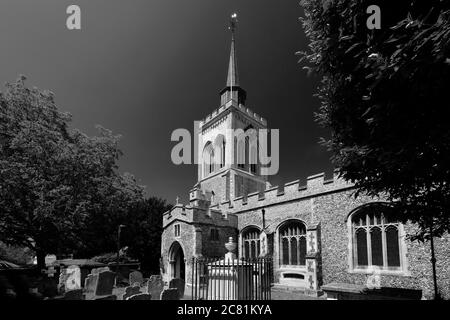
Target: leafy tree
[(53, 180), (143, 232), (141, 236), (384, 95), (15, 254)]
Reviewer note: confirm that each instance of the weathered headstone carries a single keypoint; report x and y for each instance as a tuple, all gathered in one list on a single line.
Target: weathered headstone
[(90, 283), (170, 294), (98, 270), (179, 284), (141, 296), (136, 277), (105, 283), (131, 291), (73, 280), (155, 286), (34, 292), (76, 294), (63, 275)]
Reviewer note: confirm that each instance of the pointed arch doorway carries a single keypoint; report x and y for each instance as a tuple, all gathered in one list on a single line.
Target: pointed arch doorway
[(177, 263)]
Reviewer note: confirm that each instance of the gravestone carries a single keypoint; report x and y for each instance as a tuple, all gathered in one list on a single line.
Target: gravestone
[(34, 292), (108, 297), (105, 283), (73, 278), (141, 296), (50, 272), (170, 294), (155, 286), (90, 283), (136, 277), (76, 294), (98, 270), (62, 280), (179, 284), (131, 291)]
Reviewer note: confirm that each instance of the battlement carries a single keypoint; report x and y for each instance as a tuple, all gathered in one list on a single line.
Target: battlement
[(200, 198), (197, 215), (253, 115), (309, 187)]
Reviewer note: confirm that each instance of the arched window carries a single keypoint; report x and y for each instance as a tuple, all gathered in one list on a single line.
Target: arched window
[(208, 159), (211, 161), (219, 151), (376, 240), (246, 149), (240, 155), (253, 158), (250, 243), (247, 152), (293, 244)]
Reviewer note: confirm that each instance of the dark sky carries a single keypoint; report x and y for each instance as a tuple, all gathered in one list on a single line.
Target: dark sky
[(143, 68)]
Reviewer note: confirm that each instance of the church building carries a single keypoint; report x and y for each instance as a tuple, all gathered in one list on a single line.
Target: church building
[(314, 229)]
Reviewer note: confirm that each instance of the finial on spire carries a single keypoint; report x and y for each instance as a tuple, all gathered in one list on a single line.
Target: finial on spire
[(233, 23)]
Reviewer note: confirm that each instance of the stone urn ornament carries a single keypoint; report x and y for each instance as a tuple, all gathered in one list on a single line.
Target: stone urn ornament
[(231, 246)]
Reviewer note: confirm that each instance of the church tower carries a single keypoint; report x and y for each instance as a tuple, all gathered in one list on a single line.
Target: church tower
[(228, 147)]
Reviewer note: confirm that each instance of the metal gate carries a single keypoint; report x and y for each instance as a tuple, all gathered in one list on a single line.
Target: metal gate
[(236, 279)]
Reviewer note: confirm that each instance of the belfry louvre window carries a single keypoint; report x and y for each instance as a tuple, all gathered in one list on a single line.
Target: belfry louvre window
[(293, 244), (222, 160), (208, 159), (376, 240), (251, 243)]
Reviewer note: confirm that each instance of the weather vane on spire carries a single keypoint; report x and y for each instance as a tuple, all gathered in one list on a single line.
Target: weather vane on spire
[(233, 22)]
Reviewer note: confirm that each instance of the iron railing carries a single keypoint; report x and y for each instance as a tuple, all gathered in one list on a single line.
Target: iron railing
[(237, 279)]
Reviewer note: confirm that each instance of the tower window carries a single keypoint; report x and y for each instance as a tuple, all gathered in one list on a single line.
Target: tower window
[(208, 159), (219, 148), (222, 163), (253, 158), (240, 154)]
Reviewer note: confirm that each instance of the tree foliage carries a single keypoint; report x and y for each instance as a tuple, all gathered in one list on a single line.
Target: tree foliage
[(384, 95), (141, 235), (54, 180), (18, 255), (143, 232)]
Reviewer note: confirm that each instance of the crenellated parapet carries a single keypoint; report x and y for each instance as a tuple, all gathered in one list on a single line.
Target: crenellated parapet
[(312, 186), (198, 215), (200, 198), (212, 117)]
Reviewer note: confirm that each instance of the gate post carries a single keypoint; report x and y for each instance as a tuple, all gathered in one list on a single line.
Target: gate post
[(313, 260)]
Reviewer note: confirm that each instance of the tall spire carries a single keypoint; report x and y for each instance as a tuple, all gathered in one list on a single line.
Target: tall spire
[(233, 91), (233, 76)]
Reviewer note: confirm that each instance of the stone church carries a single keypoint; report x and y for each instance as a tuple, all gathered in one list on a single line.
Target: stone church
[(316, 232)]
